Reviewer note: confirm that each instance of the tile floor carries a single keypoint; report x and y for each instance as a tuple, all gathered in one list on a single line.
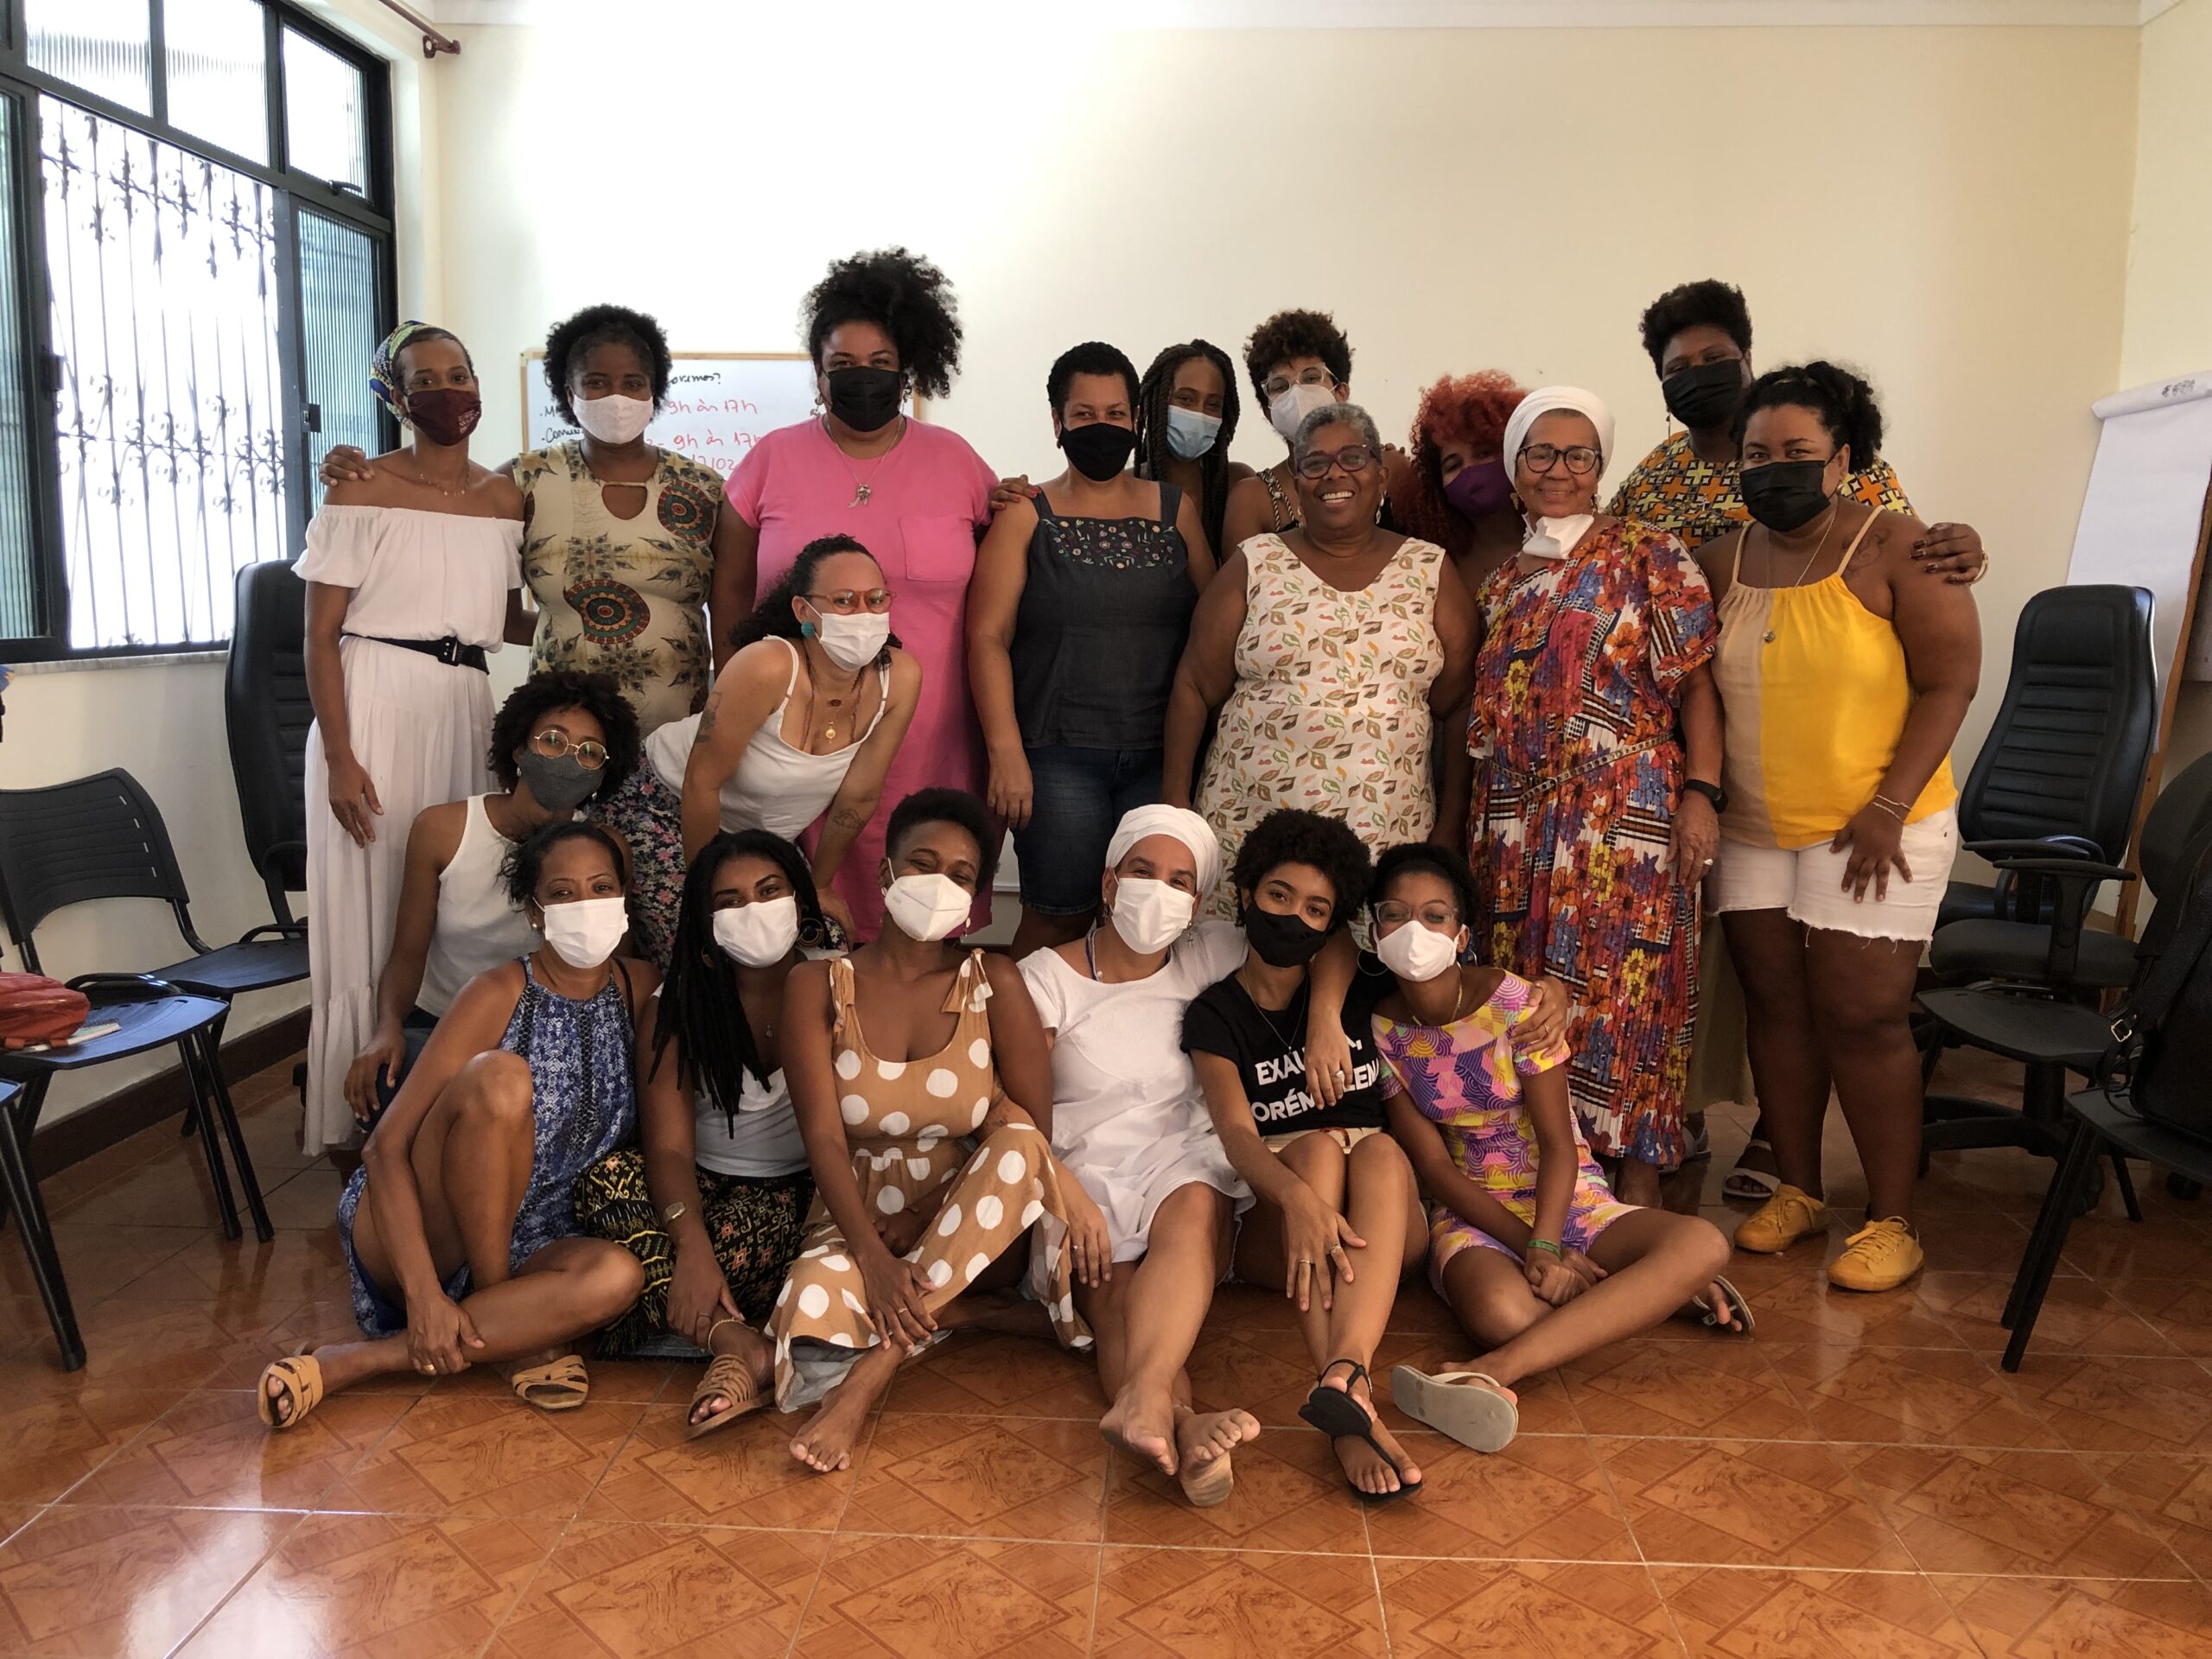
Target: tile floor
[(1861, 1478)]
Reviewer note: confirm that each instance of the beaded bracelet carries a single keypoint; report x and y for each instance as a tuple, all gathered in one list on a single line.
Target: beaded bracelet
[(1547, 1244)]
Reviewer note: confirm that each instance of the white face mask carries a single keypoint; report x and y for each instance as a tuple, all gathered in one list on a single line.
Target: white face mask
[(1555, 539), (759, 934), (1416, 952), (927, 907), (613, 419), (1293, 404), (1150, 915), (852, 642), (584, 932)]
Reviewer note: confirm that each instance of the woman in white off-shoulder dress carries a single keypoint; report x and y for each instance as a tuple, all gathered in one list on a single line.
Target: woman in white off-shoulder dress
[(424, 553)]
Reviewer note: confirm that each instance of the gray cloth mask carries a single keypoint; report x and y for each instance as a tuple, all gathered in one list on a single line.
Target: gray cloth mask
[(561, 782)]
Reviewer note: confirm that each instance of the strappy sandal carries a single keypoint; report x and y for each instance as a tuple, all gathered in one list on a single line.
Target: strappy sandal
[(1741, 1324), (1336, 1414), (730, 1377), (301, 1374), (1473, 1407), (1753, 1186), (561, 1384)]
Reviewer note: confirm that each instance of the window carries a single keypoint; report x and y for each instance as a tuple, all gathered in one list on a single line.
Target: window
[(195, 263)]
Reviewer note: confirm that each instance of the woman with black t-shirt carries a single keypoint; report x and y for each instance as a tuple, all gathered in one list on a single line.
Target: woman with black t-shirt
[(1339, 1218)]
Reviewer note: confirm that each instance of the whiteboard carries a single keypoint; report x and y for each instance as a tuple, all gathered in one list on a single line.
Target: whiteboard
[(2145, 499), (719, 403)]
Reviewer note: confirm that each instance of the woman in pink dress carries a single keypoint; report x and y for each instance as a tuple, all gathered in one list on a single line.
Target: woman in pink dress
[(880, 325)]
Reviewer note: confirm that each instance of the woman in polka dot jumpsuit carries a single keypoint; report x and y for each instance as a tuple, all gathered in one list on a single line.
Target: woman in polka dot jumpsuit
[(950, 1172)]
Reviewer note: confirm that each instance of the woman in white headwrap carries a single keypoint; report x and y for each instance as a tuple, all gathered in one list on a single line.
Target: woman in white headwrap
[(1595, 740), (1129, 1121)]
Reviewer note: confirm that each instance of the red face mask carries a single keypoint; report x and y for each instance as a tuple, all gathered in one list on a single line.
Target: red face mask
[(445, 414)]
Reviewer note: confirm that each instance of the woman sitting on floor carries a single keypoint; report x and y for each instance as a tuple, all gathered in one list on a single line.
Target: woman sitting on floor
[(915, 1066), (712, 1199), (458, 1227), (1538, 1260)]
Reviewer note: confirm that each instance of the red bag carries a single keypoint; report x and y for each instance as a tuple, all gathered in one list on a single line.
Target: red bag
[(37, 1010)]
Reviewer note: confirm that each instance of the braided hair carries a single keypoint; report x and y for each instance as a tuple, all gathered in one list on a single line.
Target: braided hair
[(701, 1013), (1153, 452)]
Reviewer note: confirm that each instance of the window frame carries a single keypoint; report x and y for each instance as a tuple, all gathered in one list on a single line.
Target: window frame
[(372, 213)]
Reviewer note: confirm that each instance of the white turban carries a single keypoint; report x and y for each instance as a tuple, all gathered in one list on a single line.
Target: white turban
[(1181, 822), (1546, 400)]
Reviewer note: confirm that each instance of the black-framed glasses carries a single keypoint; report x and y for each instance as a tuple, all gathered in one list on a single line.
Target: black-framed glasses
[(553, 743), (1353, 458), (1275, 386), (1580, 458), (850, 602)]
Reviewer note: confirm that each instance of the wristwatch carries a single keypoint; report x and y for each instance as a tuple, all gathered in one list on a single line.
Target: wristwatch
[(1711, 793)]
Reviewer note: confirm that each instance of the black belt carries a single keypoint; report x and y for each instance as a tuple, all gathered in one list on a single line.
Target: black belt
[(448, 650)]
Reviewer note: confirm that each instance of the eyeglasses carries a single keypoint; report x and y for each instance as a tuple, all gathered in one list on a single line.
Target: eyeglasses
[(877, 600), (1353, 458), (1275, 386), (1542, 457), (553, 743), (1391, 914)]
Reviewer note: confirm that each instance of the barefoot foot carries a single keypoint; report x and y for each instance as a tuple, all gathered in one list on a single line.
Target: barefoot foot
[(826, 1443), (1203, 1443), (1142, 1422)]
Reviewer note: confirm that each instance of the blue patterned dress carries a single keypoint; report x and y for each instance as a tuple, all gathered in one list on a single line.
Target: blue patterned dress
[(586, 1103)]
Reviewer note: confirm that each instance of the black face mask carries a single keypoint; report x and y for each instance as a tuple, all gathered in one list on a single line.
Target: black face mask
[(560, 782), (1281, 941), (1098, 450), (1705, 395), (1786, 495), (866, 399)]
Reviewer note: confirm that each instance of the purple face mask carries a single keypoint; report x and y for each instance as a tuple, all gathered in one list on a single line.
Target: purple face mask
[(1479, 491)]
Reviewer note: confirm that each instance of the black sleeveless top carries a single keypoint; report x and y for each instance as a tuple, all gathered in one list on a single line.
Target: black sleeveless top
[(1104, 612)]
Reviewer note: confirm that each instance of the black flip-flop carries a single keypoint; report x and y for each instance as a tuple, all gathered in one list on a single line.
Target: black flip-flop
[(1336, 1414)]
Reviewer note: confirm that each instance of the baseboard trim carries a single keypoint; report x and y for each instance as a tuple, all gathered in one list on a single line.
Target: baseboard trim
[(158, 1099)]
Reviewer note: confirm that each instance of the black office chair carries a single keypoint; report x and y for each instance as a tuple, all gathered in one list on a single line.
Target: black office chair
[(266, 708), (2062, 769)]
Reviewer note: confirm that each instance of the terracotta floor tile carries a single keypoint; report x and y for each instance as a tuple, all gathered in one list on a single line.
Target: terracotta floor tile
[(1794, 1302), (2121, 1405), (985, 1373), (1932, 1395), (55, 1439), (626, 1590), (174, 1189), (2063, 1619), (124, 1581), (2107, 1247), (1715, 1390), (1155, 1602), (96, 1261), (1746, 1614), (2178, 1309), (424, 1587), (1290, 1495), (982, 1476), (936, 1599), (308, 1199), (487, 1456), (743, 1475), (1266, 1372), (2079, 1316), (1522, 1610), (211, 1450), (2023, 1512), (1542, 1497), (2172, 1497), (300, 1265), (1743, 1503)]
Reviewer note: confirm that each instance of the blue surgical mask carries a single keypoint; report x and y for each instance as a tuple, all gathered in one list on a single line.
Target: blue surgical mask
[(1189, 434)]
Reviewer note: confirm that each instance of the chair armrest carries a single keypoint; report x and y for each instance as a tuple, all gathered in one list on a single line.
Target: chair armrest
[(2066, 869), (2034, 847), (147, 984), (274, 930)]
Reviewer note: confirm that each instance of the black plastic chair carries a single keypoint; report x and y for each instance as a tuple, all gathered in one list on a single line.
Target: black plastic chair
[(266, 709), (101, 837)]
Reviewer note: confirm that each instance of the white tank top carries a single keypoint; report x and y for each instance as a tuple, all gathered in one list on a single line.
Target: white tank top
[(476, 929), (776, 787)]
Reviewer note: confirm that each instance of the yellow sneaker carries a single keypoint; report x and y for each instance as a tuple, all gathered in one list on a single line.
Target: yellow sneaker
[(1881, 1255), (1783, 1219)]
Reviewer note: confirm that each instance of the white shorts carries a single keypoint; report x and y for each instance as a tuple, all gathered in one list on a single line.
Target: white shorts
[(1808, 883)]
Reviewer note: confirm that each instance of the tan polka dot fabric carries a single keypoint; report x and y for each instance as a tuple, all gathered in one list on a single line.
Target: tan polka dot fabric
[(912, 1127)]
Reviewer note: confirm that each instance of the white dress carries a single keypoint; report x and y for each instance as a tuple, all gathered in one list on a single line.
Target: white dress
[(1127, 1115), (419, 728)]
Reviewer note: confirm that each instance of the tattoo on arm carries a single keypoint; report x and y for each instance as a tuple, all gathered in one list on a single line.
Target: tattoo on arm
[(707, 717), (847, 818)]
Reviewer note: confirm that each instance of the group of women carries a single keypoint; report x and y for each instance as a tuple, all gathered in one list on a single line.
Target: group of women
[(1475, 750)]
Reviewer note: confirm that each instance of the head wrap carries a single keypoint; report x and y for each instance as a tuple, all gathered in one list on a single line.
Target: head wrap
[(1546, 400), (384, 379), (1181, 822)]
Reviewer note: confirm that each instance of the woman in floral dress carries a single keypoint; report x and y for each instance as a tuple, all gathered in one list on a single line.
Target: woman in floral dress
[(1330, 651), (1596, 736)]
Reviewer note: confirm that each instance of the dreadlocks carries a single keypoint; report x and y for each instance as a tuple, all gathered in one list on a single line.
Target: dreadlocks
[(1153, 453)]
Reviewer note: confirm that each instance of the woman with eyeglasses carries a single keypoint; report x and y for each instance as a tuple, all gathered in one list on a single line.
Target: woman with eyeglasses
[(1081, 603), (801, 726), (1596, 738), (1331, 651), (560, 739)]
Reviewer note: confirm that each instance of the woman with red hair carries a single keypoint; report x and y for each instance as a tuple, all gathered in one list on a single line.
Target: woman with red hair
[(1456, 491)]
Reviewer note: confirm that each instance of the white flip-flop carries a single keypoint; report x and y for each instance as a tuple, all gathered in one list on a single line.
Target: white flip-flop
[(1474, 1408), (1753, 1186), (1742, 1325)]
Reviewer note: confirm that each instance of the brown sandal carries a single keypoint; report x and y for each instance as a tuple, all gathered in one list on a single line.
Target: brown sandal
[(561, 1384), (301, 1374), (728, 1377)]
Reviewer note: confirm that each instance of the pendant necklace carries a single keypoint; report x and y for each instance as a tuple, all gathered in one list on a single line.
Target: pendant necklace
[(863, 489), (828, 732), (1803, 571)]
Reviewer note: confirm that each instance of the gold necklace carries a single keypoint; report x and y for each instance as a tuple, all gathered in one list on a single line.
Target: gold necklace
[(1834, 510), (863, 489)]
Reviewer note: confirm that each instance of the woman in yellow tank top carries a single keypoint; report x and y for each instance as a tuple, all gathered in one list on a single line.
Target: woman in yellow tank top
[(1842, 681)]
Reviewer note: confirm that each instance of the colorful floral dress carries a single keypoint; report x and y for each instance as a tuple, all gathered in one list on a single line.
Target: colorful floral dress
[(1577, 772), (622, 596), (1694, 500), (910, 1125), (1331, 709), (1466, 1077)]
